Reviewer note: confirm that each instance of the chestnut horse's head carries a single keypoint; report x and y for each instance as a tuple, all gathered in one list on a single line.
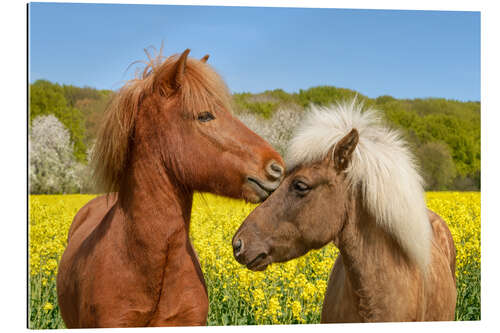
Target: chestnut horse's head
[(177, 118), (344, 166)]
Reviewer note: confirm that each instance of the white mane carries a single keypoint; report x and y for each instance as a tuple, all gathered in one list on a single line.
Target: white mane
[(382, 164)]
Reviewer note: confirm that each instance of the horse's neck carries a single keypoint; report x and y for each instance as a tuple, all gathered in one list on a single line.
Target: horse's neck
[(157, 211), (373, 263)]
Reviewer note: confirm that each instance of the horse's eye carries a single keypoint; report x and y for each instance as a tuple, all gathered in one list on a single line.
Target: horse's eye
[(300, 187), (205, 116)]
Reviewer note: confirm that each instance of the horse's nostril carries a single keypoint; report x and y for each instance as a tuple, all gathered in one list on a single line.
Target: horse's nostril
[(274, 169), (237, 246)]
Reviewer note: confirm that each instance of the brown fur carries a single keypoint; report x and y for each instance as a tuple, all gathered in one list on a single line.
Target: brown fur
[(373, 279), (129, 260)]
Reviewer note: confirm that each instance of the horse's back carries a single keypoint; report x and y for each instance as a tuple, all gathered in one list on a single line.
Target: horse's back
[(92, 213), (86, 220), (443, 239), (441, 291)]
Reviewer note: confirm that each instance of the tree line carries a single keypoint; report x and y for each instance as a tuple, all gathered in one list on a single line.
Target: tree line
[(444, 134)]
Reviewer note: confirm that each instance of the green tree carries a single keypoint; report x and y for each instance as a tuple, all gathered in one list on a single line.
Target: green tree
[(48, 98), (437, 165)]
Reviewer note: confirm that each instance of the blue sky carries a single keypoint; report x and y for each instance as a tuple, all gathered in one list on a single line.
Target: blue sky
[(406, 54)]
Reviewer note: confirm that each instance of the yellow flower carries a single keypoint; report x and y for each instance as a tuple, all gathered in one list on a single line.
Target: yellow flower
[(296, 310), (283, 293), (273, 308), (48, 306)]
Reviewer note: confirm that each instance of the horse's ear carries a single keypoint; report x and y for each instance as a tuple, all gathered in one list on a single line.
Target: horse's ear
[(205, 58), (343, 150), (179, 69), (173, 77)]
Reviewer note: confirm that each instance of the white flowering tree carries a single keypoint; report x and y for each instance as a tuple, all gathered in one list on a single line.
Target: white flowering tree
[(277, 130), (52, 166)]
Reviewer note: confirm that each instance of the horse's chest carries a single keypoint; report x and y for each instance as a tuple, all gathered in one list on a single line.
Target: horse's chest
[(183, 299), (172, 296), (380, 301)]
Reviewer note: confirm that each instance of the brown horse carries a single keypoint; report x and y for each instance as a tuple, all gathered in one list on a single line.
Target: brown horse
[(352, 181), (168, 133)]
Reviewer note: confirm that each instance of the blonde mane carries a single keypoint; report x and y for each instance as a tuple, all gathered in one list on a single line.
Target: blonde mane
[(201, 89), (382, 167)]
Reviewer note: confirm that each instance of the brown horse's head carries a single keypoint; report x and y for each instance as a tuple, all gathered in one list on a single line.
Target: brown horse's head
[(176, 118), (304, 213)]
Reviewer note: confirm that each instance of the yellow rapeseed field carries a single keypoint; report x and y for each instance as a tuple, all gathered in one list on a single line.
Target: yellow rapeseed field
[(285, 293)]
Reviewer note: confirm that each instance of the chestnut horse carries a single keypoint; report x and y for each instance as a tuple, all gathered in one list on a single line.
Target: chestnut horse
[(352, 181), (166, 134)]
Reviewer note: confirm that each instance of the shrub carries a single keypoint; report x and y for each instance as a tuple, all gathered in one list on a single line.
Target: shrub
[(52, 165), (437, 165), (278, 129)]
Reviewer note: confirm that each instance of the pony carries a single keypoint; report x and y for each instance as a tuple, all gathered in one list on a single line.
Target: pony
[(353, 181), (166, 134)]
